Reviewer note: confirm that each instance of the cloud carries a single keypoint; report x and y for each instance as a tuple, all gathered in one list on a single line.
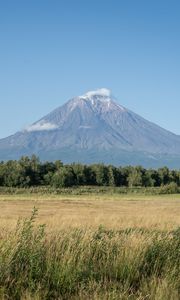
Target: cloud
[(99, 92), (41, 126)]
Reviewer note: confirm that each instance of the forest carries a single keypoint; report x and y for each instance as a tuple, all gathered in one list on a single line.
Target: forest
[(30, 171)]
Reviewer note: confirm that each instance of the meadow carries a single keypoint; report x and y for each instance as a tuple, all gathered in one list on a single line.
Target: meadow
[(98, 245)]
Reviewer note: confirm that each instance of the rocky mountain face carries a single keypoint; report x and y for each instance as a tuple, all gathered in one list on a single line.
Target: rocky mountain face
[(95, 128)]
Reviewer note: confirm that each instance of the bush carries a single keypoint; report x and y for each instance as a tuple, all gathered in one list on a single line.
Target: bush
[(171, 188)]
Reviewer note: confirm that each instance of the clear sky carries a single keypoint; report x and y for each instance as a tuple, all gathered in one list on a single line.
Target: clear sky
[(52, 50)]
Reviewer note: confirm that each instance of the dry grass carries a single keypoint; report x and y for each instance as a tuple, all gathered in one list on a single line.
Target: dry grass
[(87, 251), (111, 211)]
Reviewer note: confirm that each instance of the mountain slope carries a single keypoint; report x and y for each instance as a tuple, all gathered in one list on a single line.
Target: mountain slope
[(92, 128)]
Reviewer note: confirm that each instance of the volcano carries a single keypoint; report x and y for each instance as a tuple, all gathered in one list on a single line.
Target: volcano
[(95, 128)]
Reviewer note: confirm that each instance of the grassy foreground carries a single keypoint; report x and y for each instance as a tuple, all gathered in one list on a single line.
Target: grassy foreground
[(97, 259)]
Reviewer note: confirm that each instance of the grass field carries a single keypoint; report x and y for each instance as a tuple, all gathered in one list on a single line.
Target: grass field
[(97, 246), (112, 211)]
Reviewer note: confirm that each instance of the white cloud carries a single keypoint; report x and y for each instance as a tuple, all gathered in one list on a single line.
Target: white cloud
[(99, 92), (41, 126)]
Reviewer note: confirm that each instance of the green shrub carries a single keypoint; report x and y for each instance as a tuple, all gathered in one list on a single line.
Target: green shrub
[(171, 188)]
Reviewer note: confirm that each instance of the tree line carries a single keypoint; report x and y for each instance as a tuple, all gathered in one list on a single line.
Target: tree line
[(30, 171)]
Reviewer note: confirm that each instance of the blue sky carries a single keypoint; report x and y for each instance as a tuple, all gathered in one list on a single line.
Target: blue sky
[(52, 50)]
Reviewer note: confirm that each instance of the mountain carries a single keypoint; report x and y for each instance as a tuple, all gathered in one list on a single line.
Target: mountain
[(95, 128)]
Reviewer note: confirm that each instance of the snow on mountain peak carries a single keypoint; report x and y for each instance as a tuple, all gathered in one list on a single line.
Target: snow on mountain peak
[(103, 96), (106, 93)]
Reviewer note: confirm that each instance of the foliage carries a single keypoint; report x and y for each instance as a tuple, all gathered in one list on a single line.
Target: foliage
[(64, 177), (29, 172)]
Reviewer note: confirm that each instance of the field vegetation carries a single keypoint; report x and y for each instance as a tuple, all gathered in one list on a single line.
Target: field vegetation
[(98, 245)]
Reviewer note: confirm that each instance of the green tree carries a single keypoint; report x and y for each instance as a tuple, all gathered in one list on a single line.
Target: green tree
[(135, 178), (64, 177), (111, 176), (164, 175), (101, 172), (79, 171)]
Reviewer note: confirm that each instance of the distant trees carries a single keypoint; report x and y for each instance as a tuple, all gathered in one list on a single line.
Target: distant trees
[(135, 177), (63, 177), (30, 171)]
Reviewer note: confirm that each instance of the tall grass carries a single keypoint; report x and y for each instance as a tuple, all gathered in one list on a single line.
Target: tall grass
[(88, 263)]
